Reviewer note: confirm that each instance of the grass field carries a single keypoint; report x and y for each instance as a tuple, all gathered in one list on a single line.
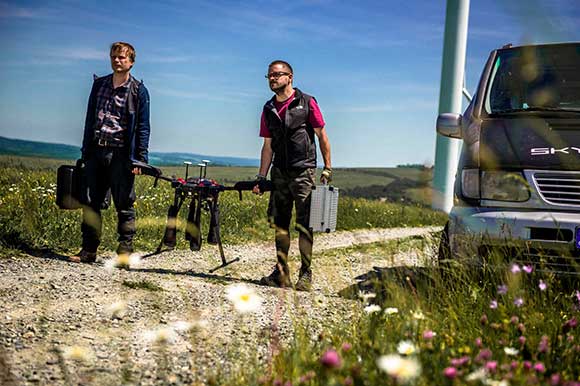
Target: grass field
[(29, 217)]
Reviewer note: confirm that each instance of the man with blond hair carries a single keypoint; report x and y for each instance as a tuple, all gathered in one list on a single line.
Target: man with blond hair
[(290, 122), (116, 133)]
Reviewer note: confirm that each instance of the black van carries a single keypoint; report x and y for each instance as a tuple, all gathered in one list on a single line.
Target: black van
[(517, 186)]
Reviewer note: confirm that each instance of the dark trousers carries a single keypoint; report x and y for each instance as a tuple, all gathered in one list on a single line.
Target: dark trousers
[(108, 168), (292, 188)]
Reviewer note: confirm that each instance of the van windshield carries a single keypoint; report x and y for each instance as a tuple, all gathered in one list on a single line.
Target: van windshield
[(540, 78)]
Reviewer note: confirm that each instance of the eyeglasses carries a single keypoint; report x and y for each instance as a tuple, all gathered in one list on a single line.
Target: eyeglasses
[(276, 75)]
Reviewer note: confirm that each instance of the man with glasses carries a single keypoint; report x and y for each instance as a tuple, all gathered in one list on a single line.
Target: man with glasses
[(289, 123), (116, 133)]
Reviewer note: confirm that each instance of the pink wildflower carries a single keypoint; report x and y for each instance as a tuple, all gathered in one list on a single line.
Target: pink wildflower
[(519, 302), (539, 367), (514, 319), (527, 365), (555, 379), (493, 304), (450, 372), (483, 355), (515, 269), (528, 268), (522, 327), (288, 383), (330, 359), (478, 342), (348, 381), (514, 365), (346, 347), (491, 366), (544, 345), (428, 335), (570, 324), (542, 285), (502, 289), (458, 362), (522, 340)]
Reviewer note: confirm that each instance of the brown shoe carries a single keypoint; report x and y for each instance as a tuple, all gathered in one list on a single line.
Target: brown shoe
[(276, 279), (304, 282), (83, 256)]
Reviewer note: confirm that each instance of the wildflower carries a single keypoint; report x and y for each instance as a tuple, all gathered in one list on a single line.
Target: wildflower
[(570, 324), (484, 355), (528, 268), (478, 342), (117, 310), (522, 340), (510, 351), (477, 375), (403, 369), (493, 304), (539, 367), (371, 309), (555, 379), (162, 335), (331, 359), (123, 261), (514, 320), (418, 315), (542, 285), (527, 365), (491, 366), (458, 362), (348, 381), (428, 334), (519, 302), (244, 298), (544, 345), (77, 353), (577, 295), (406, 347), (515, 269), (502, 289), (450, 372), (391, 310), (346, 347)]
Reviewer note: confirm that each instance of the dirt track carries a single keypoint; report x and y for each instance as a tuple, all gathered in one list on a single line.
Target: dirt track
[(48, 305)]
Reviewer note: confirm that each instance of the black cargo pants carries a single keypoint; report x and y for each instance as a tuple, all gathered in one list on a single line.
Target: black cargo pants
[(291, 188), (109, 168)]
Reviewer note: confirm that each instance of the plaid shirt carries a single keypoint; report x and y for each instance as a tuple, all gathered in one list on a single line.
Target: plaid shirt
[(112, 114)]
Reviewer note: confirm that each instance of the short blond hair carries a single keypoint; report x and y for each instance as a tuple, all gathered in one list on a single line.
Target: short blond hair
[(120, 46)]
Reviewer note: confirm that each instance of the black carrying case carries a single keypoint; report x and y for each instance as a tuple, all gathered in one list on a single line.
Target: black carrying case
[(68, 186)]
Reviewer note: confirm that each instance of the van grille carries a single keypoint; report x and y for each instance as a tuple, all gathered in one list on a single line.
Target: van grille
[(559, 188)]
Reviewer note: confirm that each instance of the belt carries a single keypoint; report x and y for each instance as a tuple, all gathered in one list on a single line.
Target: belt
[(105, 143)]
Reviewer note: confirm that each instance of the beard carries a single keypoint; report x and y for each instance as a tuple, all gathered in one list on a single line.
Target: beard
[(277, 87)]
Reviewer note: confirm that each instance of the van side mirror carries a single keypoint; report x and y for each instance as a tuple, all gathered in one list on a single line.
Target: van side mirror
[(449, 125)]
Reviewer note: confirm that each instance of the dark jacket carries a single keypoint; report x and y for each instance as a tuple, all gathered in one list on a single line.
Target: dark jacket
[(293, 139), (138, 127)]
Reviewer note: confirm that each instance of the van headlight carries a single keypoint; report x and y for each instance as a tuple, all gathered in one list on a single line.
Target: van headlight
[(494, 185)]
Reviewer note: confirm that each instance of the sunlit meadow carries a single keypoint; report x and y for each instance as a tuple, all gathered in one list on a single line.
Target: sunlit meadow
[(420, 325)]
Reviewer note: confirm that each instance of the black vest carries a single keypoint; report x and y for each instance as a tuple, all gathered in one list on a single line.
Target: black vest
[(292, 140)]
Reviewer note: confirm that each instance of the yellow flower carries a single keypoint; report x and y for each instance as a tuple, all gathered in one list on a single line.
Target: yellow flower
[(77, 353), (406, 347), (243, 298)]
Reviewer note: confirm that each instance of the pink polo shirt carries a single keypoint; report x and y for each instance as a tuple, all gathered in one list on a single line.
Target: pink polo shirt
[(314, 117)]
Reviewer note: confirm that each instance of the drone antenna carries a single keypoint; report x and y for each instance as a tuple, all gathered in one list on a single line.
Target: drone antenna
[(187, 163)]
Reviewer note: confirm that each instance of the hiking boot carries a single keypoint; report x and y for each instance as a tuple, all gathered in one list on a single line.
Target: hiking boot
[(304, 282), (83, 256), (277, 279), (124, 248)]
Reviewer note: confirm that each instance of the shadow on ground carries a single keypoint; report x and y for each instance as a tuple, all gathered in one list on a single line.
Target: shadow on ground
[(380, 281)]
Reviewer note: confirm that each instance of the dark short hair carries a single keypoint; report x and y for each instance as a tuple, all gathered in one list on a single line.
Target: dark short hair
[(124, 46), (286, 64)]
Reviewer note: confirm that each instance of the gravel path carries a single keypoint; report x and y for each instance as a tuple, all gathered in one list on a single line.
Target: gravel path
[(112, 317)]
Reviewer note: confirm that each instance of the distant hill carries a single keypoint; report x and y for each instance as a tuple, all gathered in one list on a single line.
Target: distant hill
[(25, 148)]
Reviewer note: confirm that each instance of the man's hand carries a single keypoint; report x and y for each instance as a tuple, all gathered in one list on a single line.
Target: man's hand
[(256, 189), (326, 176), (136, 171)]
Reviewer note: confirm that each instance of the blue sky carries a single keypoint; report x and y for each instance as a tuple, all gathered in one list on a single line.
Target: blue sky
[(374, 66)]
